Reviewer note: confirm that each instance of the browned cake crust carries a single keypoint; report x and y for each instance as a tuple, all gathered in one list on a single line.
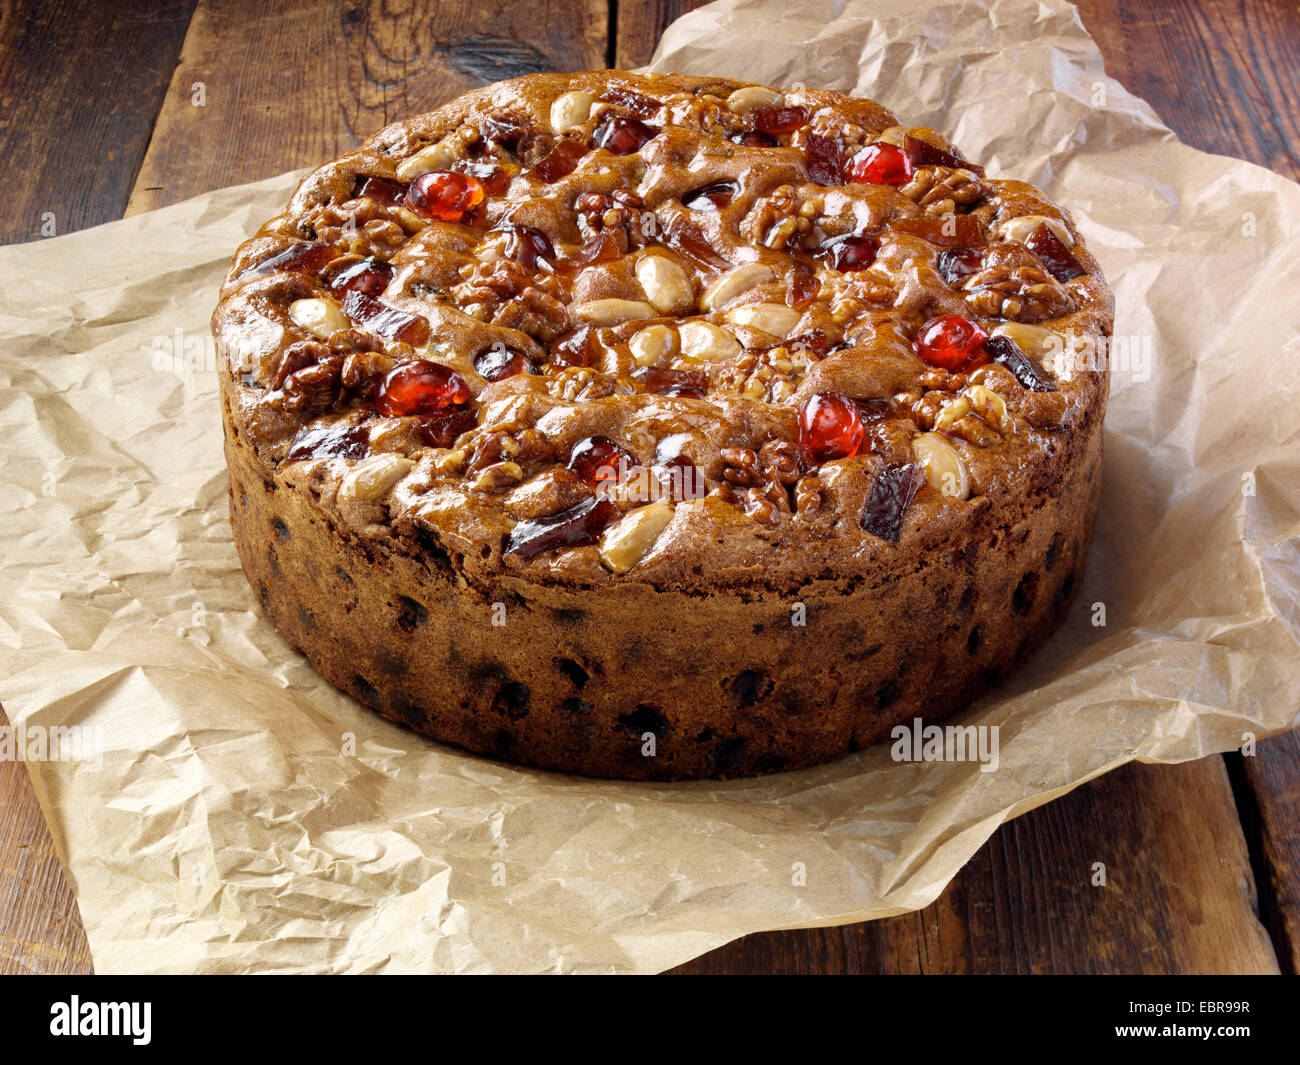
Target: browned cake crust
[(662, 427)]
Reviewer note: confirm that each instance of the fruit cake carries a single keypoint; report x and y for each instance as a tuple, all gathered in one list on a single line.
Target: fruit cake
[(662, 427)]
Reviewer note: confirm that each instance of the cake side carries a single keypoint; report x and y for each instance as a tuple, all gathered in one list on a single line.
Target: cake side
[(648, 406)]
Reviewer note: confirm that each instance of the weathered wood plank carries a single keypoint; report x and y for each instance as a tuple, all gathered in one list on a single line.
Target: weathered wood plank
[(266, 87), (1178, 894), (75, 119)]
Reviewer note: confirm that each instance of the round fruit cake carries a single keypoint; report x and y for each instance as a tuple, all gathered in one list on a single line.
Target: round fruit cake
[(661, 426)]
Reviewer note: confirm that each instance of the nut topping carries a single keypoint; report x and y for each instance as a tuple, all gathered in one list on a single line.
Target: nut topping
[(629, 540), (372, 478), (320, 317)]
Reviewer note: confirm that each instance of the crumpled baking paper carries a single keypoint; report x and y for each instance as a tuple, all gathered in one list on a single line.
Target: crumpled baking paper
[(233, 813)]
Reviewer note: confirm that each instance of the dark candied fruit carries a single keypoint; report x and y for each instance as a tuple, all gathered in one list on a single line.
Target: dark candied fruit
[(1058, 259), (804, 285), (370, 276), (891, 493), (421, 387), (526, 245), (692, 384), (381, 190), (560, 161), (853, 251), (710, 197), (495, 181), (778, 119), (825, 165), (829, 427), (923, 153), (441, 428), (444, 195), (500, 362), (383, 320), (581, 347), (330, 442), (952, 342), (641, 106), (948, 231), (577, 526), (682, 235), (503, 132), (302, 256), (1006, 351), (755, 138), (622, 135), (957, 264), (599, 461), (881, 164)]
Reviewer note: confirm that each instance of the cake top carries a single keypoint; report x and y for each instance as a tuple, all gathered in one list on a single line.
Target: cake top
[(614, 328)]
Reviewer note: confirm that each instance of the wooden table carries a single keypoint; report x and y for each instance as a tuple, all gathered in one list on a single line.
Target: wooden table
[(97, 120)]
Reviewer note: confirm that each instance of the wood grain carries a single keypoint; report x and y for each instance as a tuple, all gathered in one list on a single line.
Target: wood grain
[(1178, 896), (290, 84), (58, 111)]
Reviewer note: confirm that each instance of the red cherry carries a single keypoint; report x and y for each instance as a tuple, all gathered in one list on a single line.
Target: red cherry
[(830, 426), (622, 135), (850, 252), (881, 164), (597, 460), (420, 388), (370, 276), (952, 342), (444, 195)]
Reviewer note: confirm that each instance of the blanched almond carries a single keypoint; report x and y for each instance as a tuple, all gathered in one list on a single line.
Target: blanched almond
[(570, 110), (630, 539), (653, 344), (372, 478), (319, 317), (733, 283), (666, 284), (944, 469), (708, 343), (1033, 340), (612, 311), (774, 318), (435, 157), (893, 135), (752, 96)]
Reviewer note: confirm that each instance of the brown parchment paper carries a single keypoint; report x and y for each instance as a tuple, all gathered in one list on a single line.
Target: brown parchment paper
[(242, 816)]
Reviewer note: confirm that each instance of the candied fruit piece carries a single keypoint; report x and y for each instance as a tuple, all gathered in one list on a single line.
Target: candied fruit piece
[(441, 428), (1058, 259), (303, 256), (829, 427), (370, 276), (755, 138), (622, 135), (381, 190), (560, 162), (948, 231), (576, 526), (710, 197), (500, 362), (853, 251), (421, 387), (444, 195), (952, 342), (892, 491), (957, 264), (778, 119), (1007, 352), (825, 165), (527, 244), (329, 442), (599, 461), (923, 153), (385, 321), (641, 106), (689, 383), (881, 164)]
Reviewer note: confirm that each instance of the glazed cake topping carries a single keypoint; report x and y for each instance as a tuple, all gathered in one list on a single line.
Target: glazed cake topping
[(580, 319)]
